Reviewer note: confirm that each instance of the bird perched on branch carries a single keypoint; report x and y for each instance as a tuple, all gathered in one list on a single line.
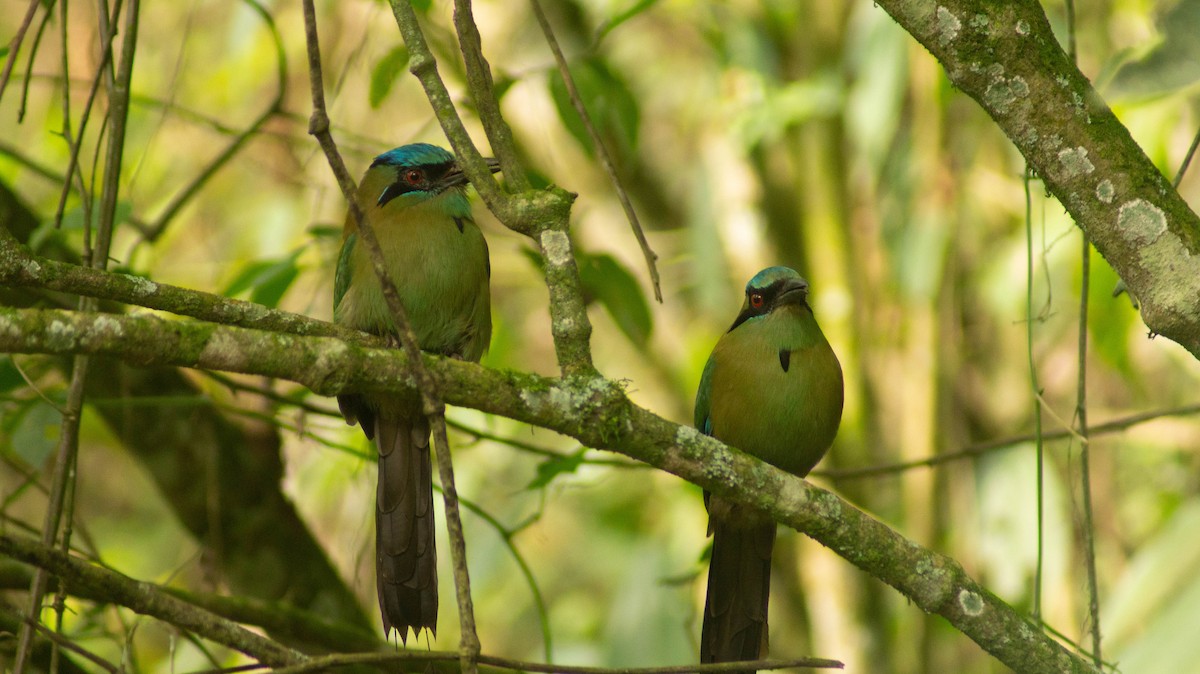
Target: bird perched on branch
[(414, 198), (771, 388)]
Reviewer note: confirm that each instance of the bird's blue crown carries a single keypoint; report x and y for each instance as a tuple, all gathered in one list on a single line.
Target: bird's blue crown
[(414, 154), (771, 275)]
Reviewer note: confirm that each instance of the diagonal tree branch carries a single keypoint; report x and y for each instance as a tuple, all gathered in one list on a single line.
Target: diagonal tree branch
[(1005, 56), (594, 411)]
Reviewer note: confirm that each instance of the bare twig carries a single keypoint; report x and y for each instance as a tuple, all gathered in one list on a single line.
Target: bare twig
[(1187, 161), (60, 641), (601, 149), (335, 661), (37, 40), (1036, 390), (1085, 449), (983, 448), (14, 46), (433, 406), (64, 475), (483, 93)]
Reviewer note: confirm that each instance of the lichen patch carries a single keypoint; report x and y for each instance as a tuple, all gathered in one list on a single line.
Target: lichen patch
[(948, 25), (556, 247), (970, 602), (1105, 191), (1075, 162), (142, 286), (1142, 221)]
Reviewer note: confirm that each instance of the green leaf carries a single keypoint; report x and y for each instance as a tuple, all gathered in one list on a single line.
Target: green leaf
[(553, 467), (267, 280), (610, 284), (385, 74), (35, 434), (609, 102), (621, 17), (1171, 65), (421, 5)]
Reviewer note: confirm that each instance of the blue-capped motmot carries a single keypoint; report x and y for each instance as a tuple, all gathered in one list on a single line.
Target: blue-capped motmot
[(771, 388), (414, 198)]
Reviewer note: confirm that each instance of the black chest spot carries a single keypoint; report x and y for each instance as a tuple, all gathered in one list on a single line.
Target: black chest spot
[(785, 359)]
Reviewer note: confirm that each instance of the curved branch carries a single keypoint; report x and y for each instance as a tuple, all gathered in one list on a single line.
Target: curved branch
[(1005, 56), (591, 409)]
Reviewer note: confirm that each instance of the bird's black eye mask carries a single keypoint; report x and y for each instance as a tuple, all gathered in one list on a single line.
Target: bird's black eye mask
[(759, 302), (424, 178)]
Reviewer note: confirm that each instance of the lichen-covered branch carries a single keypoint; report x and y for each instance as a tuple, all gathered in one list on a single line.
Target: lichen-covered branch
[(21, 269), (1005, 56), (591, 409)]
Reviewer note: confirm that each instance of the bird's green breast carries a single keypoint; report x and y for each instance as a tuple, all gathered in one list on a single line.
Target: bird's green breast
[(438, 259), (786, 417)]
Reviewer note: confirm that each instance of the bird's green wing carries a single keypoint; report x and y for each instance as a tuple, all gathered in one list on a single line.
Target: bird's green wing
[(341, 277), (701, 418)]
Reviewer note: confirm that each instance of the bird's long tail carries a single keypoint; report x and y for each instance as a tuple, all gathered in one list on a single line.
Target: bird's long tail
[(405, 556), (739, 583)]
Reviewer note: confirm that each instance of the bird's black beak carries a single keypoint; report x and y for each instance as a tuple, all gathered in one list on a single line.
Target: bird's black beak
[(794, 291), (455, 176)]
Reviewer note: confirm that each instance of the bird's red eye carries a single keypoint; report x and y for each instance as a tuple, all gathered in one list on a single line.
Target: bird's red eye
[(413, 176), (756, 300)]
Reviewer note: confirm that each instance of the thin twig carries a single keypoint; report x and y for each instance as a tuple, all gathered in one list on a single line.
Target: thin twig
[(1037, 396), (1085, 449), (707, 668), (601, 149), (118, 115), (1187, 160), (432, 405), (539, 602), (334, 661), (483, 93), (14, 46), (37, 41), (64, 472), (76, 144), (61, 641), (982, 448)]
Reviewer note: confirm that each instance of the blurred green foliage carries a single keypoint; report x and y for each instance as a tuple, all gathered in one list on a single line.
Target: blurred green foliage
[(748, 133)]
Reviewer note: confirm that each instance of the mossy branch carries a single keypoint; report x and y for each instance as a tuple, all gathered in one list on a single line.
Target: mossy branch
[(1005, 56), (591, 409)]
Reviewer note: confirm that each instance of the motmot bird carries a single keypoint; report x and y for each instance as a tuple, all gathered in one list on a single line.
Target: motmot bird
[(414, 198), (773, 389)]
